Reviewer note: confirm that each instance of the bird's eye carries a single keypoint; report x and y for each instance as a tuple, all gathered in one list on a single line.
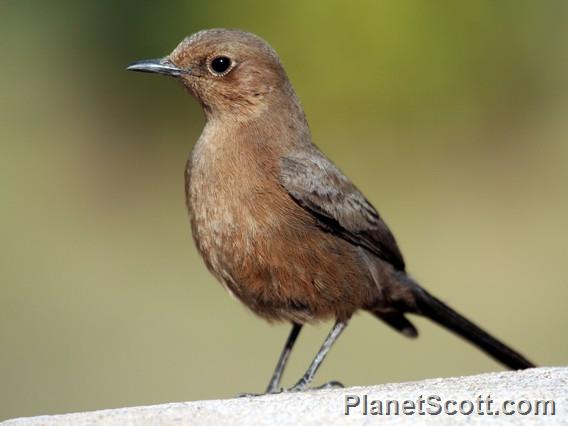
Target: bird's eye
[(220, 65)]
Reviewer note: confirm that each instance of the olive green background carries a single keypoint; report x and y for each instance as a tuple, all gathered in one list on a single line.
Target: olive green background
[(450, 116)]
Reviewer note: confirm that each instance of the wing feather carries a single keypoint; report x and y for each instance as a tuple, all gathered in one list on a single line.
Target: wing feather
[(318, 186)]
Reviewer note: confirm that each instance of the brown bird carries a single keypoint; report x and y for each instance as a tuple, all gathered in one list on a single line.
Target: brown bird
[(278, 224)]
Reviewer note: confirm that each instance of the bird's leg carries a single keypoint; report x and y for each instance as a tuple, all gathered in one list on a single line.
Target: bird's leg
[(327, 344), (274, 384)]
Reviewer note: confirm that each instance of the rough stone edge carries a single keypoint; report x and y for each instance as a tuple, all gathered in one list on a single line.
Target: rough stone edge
[(327, 406)]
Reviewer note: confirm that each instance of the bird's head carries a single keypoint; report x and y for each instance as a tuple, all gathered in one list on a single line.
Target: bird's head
[(228, 71)]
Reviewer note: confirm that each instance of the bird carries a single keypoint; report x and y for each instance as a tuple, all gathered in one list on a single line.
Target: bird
[(276, 221)]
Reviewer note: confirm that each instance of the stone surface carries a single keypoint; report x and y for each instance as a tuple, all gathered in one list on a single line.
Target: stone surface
[(328, 407)]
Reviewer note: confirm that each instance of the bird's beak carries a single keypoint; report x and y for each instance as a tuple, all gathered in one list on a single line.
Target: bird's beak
[(158, 66)]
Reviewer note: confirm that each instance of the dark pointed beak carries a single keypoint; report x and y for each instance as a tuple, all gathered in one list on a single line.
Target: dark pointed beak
[(158, 66)]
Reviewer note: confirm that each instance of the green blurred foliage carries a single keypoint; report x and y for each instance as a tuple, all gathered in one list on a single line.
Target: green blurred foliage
[(451, 116)]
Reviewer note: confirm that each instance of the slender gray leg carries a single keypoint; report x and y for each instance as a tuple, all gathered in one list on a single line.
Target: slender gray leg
[(327, 344), (274, 384)]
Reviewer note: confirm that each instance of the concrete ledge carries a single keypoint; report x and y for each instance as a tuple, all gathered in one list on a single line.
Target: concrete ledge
[(328, 407)]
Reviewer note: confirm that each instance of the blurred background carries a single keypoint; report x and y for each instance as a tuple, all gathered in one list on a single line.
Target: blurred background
[(451, 117)]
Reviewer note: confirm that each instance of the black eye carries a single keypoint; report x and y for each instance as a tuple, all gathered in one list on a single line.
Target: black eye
[(220, 64)]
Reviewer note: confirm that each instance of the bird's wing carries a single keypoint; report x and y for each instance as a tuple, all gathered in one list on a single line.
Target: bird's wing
[(318, 186)]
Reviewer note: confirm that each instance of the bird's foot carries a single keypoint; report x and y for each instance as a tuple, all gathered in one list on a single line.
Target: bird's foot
[(334, 384), (298, 387), (268, 392), (301, 386)]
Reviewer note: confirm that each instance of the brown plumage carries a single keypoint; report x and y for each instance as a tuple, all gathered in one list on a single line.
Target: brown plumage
[(274, 219)]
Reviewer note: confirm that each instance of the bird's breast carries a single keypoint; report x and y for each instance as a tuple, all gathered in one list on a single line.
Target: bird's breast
[(261, 245), (231, 195)]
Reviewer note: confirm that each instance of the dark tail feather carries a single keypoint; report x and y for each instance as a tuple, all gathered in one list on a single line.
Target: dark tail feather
[(399, 322), (442, 314)]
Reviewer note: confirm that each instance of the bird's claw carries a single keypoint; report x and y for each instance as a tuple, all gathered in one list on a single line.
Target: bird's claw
[(268, 392), (299, 387), (334, 384)]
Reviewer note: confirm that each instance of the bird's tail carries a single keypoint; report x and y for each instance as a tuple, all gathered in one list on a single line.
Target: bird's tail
[(436, 310)]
